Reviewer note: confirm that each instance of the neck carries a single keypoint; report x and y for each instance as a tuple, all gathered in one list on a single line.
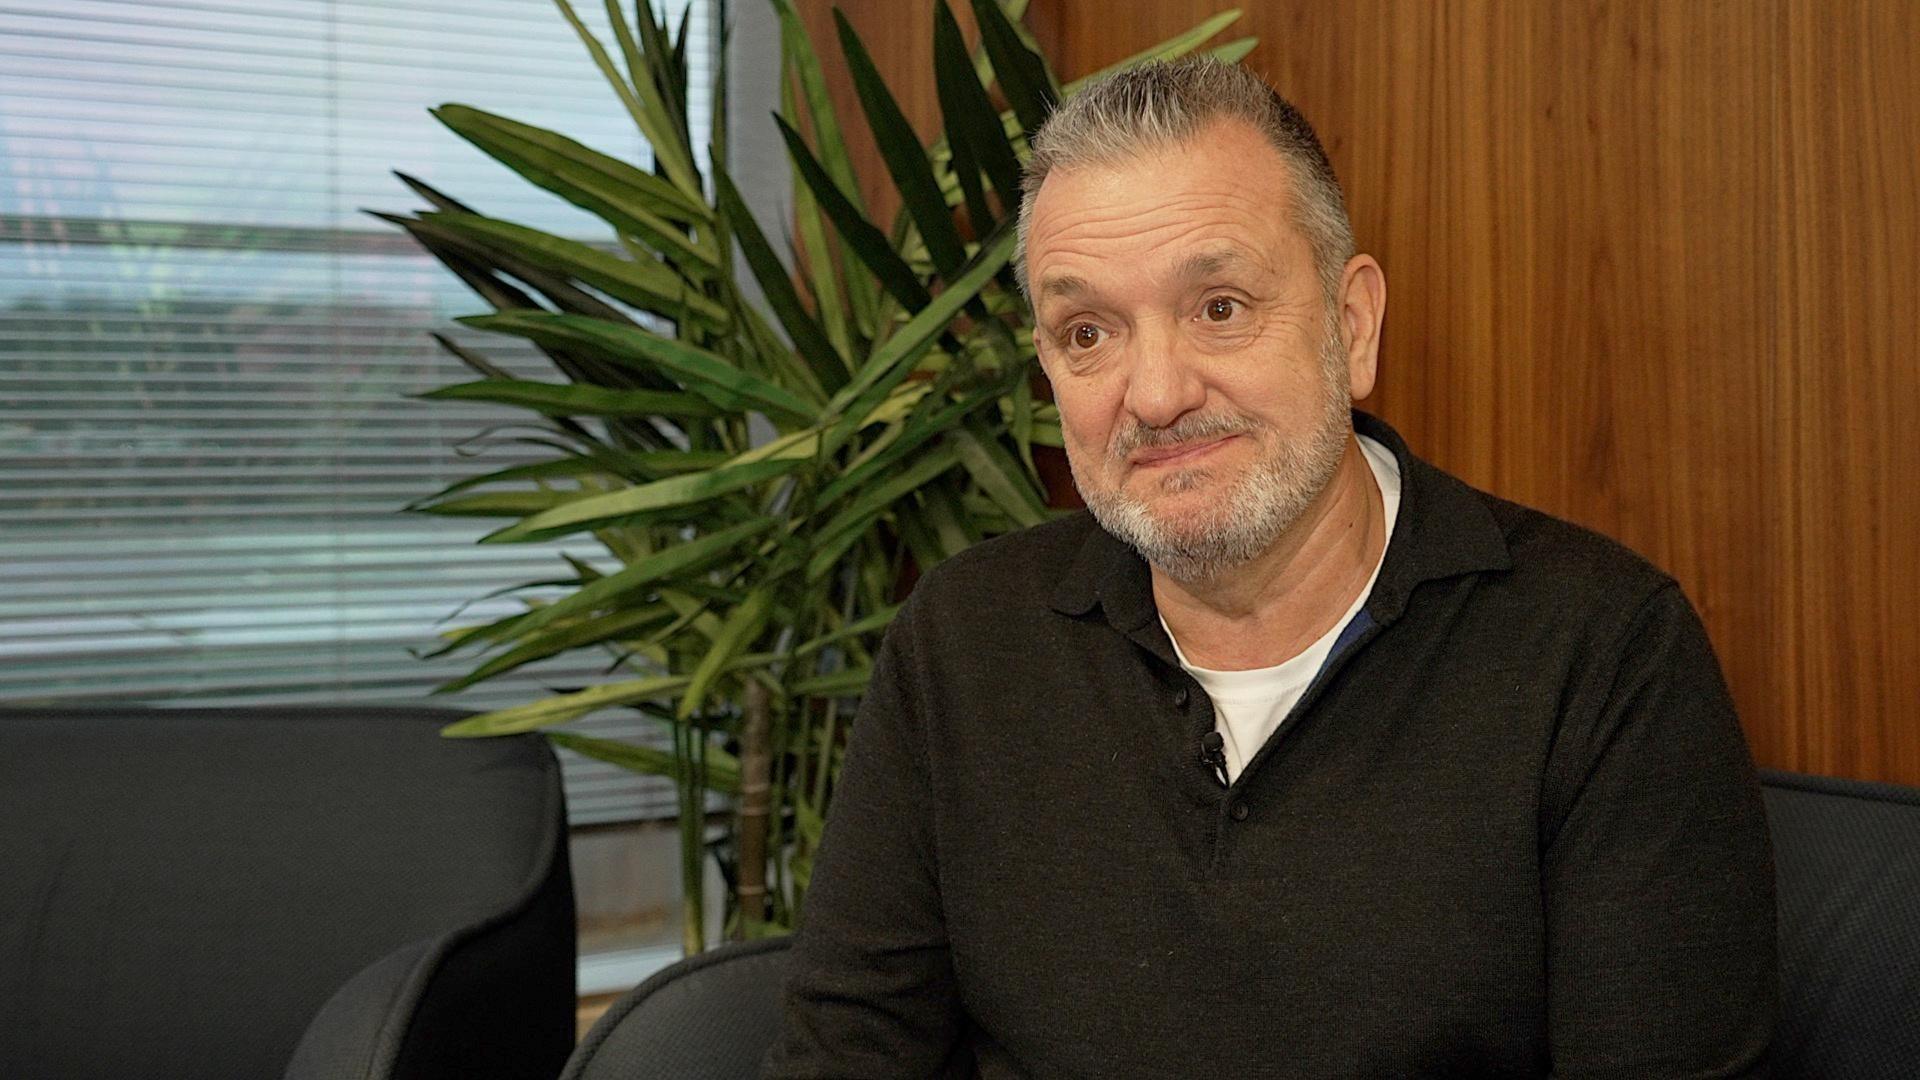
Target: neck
[(1269, 609)]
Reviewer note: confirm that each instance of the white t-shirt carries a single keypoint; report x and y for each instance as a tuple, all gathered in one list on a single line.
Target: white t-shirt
[(1250, 705)]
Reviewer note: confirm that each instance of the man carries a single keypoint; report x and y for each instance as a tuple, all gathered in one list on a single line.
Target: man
[(1297, 757)]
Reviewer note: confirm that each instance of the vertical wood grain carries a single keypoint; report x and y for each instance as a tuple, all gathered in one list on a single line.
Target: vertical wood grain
[(1845, 142)]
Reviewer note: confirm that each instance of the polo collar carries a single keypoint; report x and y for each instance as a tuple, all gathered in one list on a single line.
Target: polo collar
[(1444, 529)]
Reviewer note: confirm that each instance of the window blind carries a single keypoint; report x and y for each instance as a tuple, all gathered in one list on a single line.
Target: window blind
[(206, 348)]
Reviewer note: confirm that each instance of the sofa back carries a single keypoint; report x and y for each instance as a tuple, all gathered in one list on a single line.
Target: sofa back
[(1847, 871), (183, 889)]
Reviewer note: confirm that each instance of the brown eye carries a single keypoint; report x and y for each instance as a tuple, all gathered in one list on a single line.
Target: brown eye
[(1221, 308), (1084, 336)]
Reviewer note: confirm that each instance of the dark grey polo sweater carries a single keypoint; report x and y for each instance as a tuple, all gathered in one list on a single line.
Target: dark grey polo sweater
[(1513, 830)]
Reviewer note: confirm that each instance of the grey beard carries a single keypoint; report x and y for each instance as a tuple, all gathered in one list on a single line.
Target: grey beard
[(1253, 514)]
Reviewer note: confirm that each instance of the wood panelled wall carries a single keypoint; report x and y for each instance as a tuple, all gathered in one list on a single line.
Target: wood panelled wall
[(1652, 266)]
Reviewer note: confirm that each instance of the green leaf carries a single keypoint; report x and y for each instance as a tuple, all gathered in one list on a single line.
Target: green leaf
[(1234, 51), (828, 366), (702, 372), (683, 558), (722, 776), (900, 150), (513, 142), (610, 627), (586, 570), (558, 469), (561, 708), (511, 504), (575, 399), (653, 464), (797, 49), (876, 621), (1021, 424), (846, 683), (971, 120), (647, 284), (460, 637), (691, 611), (677, 491), (1022, 74), (680, 37), (1015, 11), (832, 539), (718, 142), (982, 66), (924, 428), (869, 244), (636, 465), (801, 65), (663, 71), (952, 76), (954, 530), (1176, 46), (472, 359), (440, 200), (644, 105), (910, 341), (736, 633), (966, 174), (497, 272), (997, 473), (632, 200), (843, 319), (477, 269)]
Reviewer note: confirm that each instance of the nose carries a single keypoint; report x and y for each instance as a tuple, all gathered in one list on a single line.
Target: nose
[(1163, 383)]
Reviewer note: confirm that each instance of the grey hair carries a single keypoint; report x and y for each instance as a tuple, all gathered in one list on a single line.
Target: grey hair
[(1166, 102)]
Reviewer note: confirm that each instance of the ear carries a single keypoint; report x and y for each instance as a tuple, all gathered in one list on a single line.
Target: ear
[(1363, 308)]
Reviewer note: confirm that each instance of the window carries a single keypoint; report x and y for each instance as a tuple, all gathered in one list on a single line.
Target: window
[(206, 345)]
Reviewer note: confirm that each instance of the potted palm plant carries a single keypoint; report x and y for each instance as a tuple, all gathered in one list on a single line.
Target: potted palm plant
[(764, 478)]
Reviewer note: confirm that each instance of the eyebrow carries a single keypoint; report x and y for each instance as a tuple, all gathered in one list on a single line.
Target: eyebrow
[(1198, 265), (1064, 285), (1208, 263)]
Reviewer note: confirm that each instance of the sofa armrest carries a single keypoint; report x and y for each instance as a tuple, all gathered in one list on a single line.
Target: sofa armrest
[(493, 1000), (708, 1017), (356, 1035), (447, 1008)]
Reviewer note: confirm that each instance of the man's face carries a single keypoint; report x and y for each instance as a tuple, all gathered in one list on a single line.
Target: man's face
[(1202, 382)]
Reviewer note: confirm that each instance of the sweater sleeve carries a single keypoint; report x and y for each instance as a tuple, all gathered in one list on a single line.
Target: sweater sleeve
[(1657, 873), (872, 991)]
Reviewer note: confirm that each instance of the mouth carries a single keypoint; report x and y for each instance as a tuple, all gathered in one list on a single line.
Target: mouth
[(1180, 454)]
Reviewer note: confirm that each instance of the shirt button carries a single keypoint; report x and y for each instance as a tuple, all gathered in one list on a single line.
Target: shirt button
[(1239, 811), (1181, 697)]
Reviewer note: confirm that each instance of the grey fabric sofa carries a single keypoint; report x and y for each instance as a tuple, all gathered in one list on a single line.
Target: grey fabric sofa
[(320, 894), (1847, 863), (708, 1017)]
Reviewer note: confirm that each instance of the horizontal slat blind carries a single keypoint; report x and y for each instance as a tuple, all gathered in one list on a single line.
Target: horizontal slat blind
[(206, 348)]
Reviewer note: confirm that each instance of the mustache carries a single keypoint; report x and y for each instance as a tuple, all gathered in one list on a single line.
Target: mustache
[(1187, 429)]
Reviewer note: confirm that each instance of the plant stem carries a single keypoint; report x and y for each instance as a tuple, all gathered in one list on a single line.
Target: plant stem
[(692, 929), (756, 765), (777, 836)]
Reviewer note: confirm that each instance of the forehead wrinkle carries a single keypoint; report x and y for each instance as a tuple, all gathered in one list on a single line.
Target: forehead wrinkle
[(1089, 226), (1067, 254), (1178, 212), (1218, 250), (1075, 246)]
